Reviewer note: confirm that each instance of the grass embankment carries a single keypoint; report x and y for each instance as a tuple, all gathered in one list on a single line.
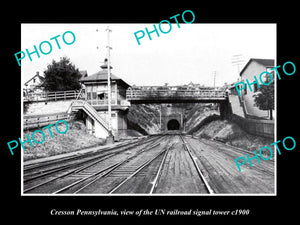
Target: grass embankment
[(203, 121), (144, 118), (74, 139)]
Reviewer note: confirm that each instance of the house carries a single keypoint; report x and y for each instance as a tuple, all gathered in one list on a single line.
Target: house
[(34, 84), (254, 67), (95, 87), (83, 73)]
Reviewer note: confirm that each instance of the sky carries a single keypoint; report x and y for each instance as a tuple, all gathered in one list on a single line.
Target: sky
[(187, 54)]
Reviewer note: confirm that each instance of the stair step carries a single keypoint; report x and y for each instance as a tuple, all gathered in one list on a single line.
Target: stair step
[(91, 111)]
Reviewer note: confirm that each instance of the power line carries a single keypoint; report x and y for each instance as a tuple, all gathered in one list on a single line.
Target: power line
[(238, 60)]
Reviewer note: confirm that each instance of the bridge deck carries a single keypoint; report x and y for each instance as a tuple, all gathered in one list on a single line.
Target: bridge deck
[(171, 96)]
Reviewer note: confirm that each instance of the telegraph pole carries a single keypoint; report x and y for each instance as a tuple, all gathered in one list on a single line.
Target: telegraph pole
[(108, 83), (238, 60), (160, 118), (215, 73)]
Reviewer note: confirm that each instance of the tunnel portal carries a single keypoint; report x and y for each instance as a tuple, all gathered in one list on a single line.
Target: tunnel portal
[(173, 125)]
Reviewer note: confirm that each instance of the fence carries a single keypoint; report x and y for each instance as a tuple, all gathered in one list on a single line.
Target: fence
[(263, 128), (30, 122), (136, 94), (51, 96)]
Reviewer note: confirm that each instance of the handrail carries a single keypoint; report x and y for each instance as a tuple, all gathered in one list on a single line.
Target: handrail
[(90, 109), (48, 96), (75, 99), (174, 93)]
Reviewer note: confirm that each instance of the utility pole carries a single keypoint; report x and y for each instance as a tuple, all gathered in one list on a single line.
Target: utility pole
[(215, 73), (160, 118), (108, 83), (238, 60)]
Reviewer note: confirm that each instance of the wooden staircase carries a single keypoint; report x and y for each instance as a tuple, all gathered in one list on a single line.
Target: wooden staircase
[(89, 110)]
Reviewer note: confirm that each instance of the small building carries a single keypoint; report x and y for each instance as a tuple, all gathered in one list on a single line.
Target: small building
[(83, 73), (254, 67), (34, 84), (95, 87)]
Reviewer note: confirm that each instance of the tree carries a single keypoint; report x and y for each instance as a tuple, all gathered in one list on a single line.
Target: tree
[(61, 76), (264, 99)]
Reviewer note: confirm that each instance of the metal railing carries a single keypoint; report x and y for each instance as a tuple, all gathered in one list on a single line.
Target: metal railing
[(101, 102), (81, 104), (136, 94), (51, 96)]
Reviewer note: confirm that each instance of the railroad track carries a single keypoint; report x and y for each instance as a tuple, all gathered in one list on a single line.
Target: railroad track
[(40, 175), (115, 174), (134, 182), (227, 146), (195, 160), (114, 171), (234, 150), (167, 164), (218, 166), (155, 164), (41, 169)]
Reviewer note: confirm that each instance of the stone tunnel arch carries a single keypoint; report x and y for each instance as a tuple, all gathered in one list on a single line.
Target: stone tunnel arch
[(173, 124)]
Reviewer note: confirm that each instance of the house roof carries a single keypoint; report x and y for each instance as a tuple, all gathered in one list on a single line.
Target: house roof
[(99, 76), (37, 75), (102, 76), (83, 73), (264, 62)]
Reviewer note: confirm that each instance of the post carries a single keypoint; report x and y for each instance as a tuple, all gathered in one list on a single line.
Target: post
[(181, 119), (237, 60), (160, 118), (215, 79), (215, 82), (108, 85)]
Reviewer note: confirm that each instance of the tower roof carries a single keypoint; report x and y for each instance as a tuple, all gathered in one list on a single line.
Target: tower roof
[(101, 77)]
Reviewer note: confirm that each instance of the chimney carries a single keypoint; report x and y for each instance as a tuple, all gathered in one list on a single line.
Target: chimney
[(104, 66)]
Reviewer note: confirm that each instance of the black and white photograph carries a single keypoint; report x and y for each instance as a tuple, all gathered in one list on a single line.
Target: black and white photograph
[(144, 109), (136, 113)]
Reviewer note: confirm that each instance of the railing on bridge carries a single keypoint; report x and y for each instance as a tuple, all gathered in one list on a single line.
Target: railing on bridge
[(132, 94), (51, 96), (104, 102)]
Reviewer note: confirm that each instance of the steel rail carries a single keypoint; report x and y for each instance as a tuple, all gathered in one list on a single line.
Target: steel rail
[(109, 168), (83, 167), (80, 156), (106, 174), (228, 147), (155, 181), (138, 170), (210, 190)]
